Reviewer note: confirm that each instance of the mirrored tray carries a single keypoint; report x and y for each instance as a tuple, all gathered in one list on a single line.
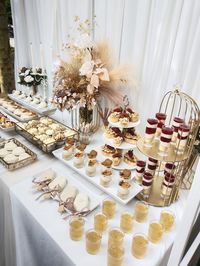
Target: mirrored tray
[(21, 163), (48, 148)]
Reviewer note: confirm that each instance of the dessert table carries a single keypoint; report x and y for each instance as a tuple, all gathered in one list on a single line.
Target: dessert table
[(34, 233)]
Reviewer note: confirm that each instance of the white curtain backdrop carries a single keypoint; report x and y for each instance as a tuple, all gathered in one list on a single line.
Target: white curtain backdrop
[(161, 39)]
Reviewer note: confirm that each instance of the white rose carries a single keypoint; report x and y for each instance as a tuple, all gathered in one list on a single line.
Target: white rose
[(84, 41), (28, 79), (26, 73), (87, 68)]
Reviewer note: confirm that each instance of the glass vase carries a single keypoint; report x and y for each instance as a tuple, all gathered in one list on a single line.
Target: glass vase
[(85, 121)]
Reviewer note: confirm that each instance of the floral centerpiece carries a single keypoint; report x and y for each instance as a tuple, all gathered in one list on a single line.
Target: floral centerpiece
[(88, 75), (31, 77)]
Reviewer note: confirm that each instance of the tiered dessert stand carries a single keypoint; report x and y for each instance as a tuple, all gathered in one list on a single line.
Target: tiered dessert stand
[(174, 104)]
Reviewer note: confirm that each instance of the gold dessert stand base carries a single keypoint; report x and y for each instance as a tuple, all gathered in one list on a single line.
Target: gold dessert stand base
[(155, 199)]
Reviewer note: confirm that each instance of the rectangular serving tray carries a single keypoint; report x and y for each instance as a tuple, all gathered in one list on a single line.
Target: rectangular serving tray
[(111, 190), (13, 166), (33, 107), (47, 148)]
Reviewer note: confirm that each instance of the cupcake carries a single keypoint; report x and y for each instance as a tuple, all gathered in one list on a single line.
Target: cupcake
[(116, 158), (108, 150), (130, 158), (92, 154), (124, 119), (123, 188), (67, 151), (78, 159), (106, 177), (114, 116), (80, 147), (106, 164), (91, 167), (134, 117), (125, 175)]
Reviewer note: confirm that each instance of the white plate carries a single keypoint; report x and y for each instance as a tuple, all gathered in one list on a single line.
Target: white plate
[(34, 107), (111, 190), (130, 124), (123, 146), (94, 200)]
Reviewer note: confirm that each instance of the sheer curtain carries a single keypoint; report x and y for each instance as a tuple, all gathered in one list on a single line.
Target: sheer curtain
[(161, 39)]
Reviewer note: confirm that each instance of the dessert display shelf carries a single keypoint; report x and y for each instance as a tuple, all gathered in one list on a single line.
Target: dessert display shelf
[(46, 133), (14, 154), (35, 107), (112, 189), (168, 144), (120, 134), (84, 200)]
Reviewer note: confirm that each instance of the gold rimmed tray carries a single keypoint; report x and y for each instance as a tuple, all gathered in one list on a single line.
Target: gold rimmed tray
[(153, 152), (18, 164), (155, 198)]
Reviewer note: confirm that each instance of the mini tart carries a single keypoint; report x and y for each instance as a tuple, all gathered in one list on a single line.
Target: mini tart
[(124, 119), (116, 158), (106, 172), (114, 116), (109, 133), (81, 147), (92, 154), (107, 163), (134, 117), (130, 136), (10, 158), (130, 158), (108, 150), (118, 140), (125, 174)]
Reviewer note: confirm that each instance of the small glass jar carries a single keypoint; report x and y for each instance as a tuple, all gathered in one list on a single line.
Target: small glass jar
[(167, 219), (126, 222), (93, 242), (155, 232), (139, 246), (141, 211), (76, 228), (115, 237), (115, 256), (109, 208), (100, 222)]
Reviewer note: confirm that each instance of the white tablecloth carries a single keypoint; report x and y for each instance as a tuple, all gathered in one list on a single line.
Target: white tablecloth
[(34, 234), (42, 238)]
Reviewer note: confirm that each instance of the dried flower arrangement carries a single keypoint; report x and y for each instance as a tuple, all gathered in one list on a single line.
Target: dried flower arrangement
[(89, 74)]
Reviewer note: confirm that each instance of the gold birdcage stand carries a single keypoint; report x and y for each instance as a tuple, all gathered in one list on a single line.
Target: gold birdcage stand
[(173, 104)]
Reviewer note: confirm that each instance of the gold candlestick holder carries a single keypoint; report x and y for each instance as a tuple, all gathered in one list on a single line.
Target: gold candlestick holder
[(173, 104)]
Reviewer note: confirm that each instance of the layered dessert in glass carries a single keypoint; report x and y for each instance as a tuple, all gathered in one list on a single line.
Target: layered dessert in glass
[(152, 165), (161, 122), (165, 139), (177, 122), (147, 181), (167, 185), (150, 131), (140, 167), (183, 133)]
